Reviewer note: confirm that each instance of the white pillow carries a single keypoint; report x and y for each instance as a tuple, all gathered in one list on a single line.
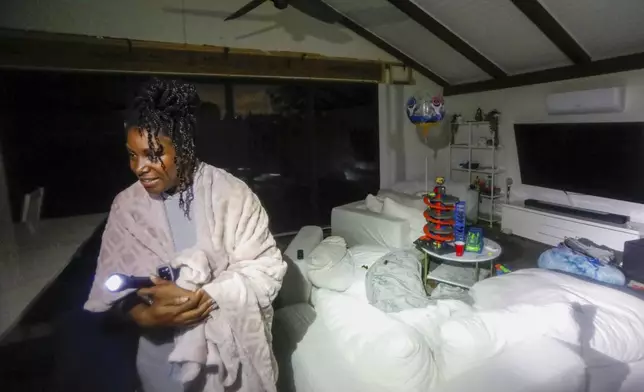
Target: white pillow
[(467, 342), (373, 203), (413, 201), (378, 347), (330, 265), (413, 216)]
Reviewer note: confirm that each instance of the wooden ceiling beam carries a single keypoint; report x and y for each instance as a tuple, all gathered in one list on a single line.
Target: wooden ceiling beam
[(435, 27), (63, 52), (600, 67), (553, 30)]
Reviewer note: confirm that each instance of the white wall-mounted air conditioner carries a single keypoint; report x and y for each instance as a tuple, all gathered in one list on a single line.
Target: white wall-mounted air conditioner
[(605, 100)]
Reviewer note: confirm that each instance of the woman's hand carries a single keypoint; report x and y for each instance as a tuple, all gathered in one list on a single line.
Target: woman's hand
[(172, 306), (165, 292)]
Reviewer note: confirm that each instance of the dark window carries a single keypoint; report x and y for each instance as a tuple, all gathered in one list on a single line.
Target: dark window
[(302, 147)]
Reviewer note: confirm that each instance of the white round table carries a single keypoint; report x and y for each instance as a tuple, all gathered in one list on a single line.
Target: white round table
[(491, 251)]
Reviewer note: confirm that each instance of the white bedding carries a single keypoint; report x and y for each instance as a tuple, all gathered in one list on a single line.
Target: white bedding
[(571, 332), (308, 363), (612, 321)]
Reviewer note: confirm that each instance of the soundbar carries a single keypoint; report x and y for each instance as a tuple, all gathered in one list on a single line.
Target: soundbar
[(574, 212)]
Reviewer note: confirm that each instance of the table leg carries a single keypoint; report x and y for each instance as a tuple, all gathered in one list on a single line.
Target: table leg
[(491, 268), (477, 272), (425, 268)]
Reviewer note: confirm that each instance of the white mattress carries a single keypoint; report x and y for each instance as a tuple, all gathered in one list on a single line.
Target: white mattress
[(308, 363), (308, 359)]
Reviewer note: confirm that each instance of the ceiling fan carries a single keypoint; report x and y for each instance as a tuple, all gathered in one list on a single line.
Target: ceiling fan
[(314, 8)]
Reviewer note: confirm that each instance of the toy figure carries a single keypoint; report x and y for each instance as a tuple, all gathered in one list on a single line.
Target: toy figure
[(501, 269), (439, 189)]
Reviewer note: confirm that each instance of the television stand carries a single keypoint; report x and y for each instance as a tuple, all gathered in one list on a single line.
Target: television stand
[(581, 213), (551, 227)]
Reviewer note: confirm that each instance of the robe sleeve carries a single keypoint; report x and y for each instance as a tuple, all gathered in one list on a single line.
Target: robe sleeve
[(115, 239), (256, 268)]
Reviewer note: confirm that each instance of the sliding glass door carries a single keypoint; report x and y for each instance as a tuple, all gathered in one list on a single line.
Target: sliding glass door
[(304, 148)]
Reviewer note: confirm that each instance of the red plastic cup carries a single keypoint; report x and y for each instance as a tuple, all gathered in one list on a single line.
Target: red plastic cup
[(460, 248)]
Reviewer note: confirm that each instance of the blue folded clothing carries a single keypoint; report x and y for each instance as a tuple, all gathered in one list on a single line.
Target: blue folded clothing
[(565, 259)]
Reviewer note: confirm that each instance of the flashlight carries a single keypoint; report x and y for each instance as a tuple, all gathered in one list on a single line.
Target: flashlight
[(120, 282)]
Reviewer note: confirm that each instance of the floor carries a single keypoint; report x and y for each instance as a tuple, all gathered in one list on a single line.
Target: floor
[(518, 253), (29, 366)]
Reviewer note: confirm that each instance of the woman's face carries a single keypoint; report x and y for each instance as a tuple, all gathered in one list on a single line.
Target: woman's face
[(156, 173)]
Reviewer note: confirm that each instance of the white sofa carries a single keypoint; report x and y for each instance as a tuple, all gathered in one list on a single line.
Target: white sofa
[(609, 355), (359, 225)]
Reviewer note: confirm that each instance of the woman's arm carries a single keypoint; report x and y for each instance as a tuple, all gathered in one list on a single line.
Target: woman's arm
[(254, 275), (169, 307)]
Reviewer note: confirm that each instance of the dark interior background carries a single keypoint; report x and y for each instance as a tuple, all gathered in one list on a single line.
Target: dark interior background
[(302, 147)]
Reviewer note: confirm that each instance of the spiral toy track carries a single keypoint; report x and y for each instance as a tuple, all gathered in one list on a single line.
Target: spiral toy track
[(440, 214)]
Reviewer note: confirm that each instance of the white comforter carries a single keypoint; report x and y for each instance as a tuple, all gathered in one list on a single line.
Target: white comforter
[(557, 324)]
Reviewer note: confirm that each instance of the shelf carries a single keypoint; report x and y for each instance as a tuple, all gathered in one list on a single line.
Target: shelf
[(458, 275), (484, 171), (474, 147), (496, 196), (475, 123), (486, 218)]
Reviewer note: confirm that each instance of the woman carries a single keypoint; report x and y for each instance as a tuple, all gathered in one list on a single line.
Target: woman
[(215, 335)]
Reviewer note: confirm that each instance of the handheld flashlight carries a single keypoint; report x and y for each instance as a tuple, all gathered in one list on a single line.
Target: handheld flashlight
[(119, 282)]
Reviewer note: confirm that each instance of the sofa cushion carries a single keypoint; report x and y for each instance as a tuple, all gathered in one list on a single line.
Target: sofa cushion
[(413, 201), (412, 215), (374, 203), (330, 265)]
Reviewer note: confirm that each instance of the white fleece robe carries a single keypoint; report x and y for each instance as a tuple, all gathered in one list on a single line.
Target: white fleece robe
[(243, 272)]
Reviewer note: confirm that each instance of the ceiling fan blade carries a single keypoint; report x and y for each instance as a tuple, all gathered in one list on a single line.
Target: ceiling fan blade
[(317, 9), (245, 9)]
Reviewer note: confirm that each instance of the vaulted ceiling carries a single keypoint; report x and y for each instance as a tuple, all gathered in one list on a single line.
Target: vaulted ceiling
[(476, 45)]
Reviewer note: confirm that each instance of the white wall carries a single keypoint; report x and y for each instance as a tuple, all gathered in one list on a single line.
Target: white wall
[(189, 21), (402, 155), (527, 104)]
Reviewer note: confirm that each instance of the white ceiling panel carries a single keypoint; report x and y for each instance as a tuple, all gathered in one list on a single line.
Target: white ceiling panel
[(398, 30), (604, 28), (499, 31)]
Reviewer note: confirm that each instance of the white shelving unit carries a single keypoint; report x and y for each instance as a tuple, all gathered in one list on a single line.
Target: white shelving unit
[(491, 215)]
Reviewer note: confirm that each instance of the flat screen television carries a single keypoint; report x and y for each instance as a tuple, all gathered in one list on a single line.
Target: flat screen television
[(598, 159)]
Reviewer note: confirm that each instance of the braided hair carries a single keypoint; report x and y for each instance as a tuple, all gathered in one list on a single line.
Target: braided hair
[(168, 108)]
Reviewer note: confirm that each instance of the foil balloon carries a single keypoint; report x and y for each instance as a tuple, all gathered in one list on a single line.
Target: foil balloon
[(425, 110), (427, 113)]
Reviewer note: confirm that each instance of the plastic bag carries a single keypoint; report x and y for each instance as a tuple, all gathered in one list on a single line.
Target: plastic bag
[(565, 259)]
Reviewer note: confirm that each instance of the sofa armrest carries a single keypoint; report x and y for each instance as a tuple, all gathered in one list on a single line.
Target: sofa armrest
[(296, 287), (359, 226)]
